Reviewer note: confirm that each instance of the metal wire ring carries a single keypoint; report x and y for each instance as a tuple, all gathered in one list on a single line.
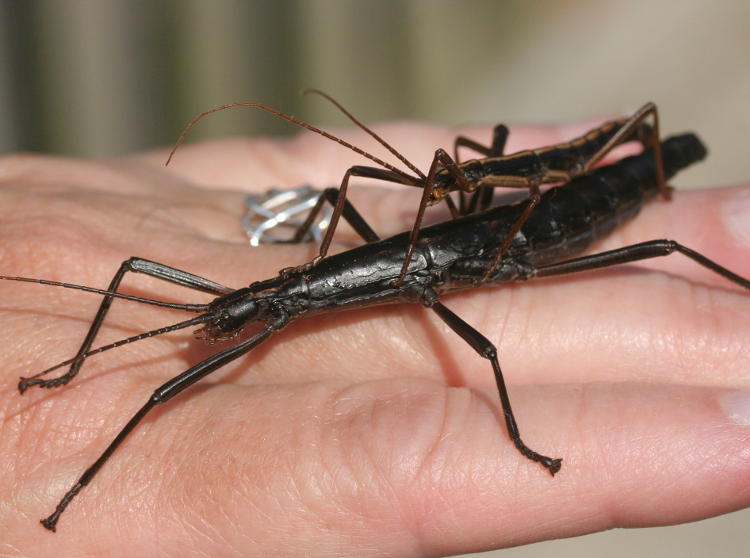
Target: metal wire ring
[(277, 209)]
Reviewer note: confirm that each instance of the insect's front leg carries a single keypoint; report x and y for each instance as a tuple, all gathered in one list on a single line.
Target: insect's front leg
[(441, 159), (499, 138), (482, 196), (341, 206), (134, 265), (160, 395)]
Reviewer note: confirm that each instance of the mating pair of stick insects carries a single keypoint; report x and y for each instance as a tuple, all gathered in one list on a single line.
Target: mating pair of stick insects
[(474, 179)]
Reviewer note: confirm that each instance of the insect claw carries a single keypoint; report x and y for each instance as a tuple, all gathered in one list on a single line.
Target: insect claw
[(553, 465), (286, 272), (289, 271), (50, 522), (26, 383), (23, 385)]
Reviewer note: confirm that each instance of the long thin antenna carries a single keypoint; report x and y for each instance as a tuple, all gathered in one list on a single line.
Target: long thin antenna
[(293, 120), (25, 383), (187, 307), (380, 140)]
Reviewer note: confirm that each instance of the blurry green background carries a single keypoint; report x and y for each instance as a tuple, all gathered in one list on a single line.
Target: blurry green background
[(107, 77)]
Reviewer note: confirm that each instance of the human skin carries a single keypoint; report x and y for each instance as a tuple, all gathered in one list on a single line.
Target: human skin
[(373, 432)]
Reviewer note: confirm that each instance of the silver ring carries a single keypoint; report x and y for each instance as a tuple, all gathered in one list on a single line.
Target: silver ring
[(275, 209)]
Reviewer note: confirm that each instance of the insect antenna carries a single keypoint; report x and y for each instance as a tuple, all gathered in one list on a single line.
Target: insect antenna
[(27, 382), (299, 123), (377, 138), (187, 307)]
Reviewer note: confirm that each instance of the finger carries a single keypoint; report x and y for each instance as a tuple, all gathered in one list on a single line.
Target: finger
[(680, 323), (404, 468), (619, 324), (545, 335), (711, 221), (632, 457), (598, 328)]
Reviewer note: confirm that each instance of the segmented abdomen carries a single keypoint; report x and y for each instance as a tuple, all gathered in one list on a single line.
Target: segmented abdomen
[(572, 217)]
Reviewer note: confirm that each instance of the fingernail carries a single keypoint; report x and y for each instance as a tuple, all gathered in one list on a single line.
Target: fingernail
[(736, 405), (737, 215)]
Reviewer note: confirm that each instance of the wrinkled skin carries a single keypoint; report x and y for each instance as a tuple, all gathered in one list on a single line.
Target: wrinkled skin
[(365, 433)]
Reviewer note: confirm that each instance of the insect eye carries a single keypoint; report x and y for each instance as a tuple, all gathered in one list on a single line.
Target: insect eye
[(435, 197)]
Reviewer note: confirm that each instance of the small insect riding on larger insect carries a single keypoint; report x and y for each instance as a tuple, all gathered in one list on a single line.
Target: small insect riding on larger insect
[(528, 169)]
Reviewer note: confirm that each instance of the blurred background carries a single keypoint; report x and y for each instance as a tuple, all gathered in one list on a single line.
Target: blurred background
[(108, 77)]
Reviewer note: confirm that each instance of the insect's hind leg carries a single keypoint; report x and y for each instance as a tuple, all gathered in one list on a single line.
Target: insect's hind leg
[(487, 350), (636, 252), (651, 139), (134, 265)]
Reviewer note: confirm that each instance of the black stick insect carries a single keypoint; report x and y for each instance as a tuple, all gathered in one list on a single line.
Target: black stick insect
[(529, 169), (448, 257)]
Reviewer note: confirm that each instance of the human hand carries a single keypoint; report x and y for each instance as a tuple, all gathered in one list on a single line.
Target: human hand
[(361, 433)]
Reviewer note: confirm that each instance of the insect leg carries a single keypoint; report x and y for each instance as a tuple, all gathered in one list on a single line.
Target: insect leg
[(481, 195), (625, 133), (135, 265), (636, 252), (350, 215), (534, 199), (338, 210), (499, 137), (487, 350), (440, 159), (160, 395)]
